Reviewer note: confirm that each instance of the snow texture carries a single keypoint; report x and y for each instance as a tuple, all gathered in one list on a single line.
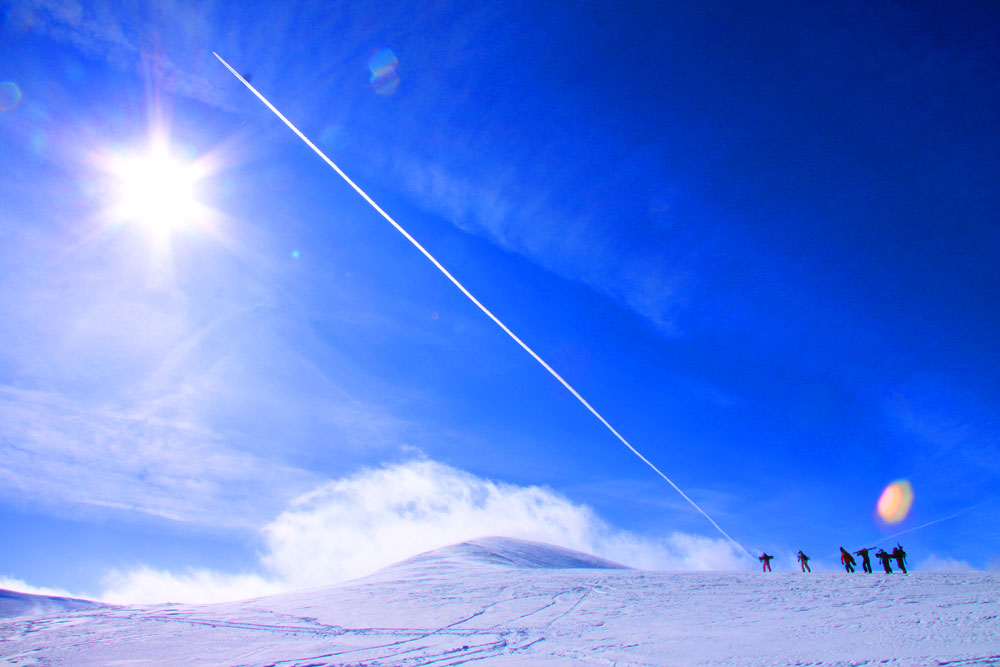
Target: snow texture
[(511, 602), (13, 604)]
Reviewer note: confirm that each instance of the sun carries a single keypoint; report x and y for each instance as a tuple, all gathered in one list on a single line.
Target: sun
[(156, 190)]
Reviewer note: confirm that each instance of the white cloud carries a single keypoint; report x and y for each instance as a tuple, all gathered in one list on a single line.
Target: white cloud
[(144, 585), (570, 243), (56, 453), (935, 563), (12, 584), (353, 526), (110, 32), (129, 391)]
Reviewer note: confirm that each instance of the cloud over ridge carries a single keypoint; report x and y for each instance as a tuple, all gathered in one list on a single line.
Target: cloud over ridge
[(352, 526)]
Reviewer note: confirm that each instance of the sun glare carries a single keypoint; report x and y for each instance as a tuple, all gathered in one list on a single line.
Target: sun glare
[(156, 190)]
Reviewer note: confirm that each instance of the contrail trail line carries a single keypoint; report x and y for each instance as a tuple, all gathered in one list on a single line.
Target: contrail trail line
[(474, 300), (923, 525), (945, 518)]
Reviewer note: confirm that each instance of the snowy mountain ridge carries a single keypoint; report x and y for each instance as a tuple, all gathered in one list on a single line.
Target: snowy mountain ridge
[(511, 602), (503, 552), (13, 603)]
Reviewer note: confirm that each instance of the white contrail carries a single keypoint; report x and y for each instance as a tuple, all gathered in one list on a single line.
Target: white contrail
[(474, 300), (921, 526), (945, 518)]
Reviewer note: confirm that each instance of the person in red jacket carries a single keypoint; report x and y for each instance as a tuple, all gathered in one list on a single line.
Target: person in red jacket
[(847, 559), (766, 560), (804, 561)]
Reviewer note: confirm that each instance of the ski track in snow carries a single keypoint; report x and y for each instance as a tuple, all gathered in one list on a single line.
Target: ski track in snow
[(509, 602)]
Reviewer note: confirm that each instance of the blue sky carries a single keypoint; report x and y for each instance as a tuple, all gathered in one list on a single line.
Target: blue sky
[(762, 242)]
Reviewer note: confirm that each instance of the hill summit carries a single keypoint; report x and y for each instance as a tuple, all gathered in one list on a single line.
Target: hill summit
[(504, 552), (14, 604)]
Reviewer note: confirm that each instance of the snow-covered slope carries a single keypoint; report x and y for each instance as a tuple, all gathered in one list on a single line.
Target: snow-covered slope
[(504, 602), (498, 551), (13, 604)]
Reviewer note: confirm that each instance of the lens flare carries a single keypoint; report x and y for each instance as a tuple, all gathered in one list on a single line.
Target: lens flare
[(895, 501), (383, 65), (10, 95)]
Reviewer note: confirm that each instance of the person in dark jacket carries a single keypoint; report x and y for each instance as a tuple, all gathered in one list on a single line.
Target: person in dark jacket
[(866, 563), (804, 561), (900, 557), (766, 560), (885, 557), (847, 559)]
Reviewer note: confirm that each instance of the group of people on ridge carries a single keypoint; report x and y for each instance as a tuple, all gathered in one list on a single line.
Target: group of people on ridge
[(896, 554), (847, 559)]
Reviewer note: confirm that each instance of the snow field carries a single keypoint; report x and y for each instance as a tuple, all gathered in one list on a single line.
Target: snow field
[(510, 602)]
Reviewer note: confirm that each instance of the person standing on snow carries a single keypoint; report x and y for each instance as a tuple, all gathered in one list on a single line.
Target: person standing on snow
[(804, 561), (885, 557), (766, 560), (900, 557), (866, 563), (847, 559)]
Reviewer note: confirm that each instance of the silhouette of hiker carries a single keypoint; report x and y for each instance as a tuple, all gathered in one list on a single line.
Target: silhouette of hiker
[(885, 557), (766, 560), (847, 559), (804, 560), (900, 557), (866, 563)]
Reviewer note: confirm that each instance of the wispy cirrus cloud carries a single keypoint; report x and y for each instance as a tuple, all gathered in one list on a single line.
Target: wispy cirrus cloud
[(113, 33), (545, 222), (222, 432), (57, 454), (946, 419)]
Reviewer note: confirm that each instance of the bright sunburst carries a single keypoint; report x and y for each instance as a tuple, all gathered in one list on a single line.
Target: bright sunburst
[(156, 190)]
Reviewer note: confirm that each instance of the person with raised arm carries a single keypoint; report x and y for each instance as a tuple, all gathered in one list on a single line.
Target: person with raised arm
[(866, 562), (765, 558)]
